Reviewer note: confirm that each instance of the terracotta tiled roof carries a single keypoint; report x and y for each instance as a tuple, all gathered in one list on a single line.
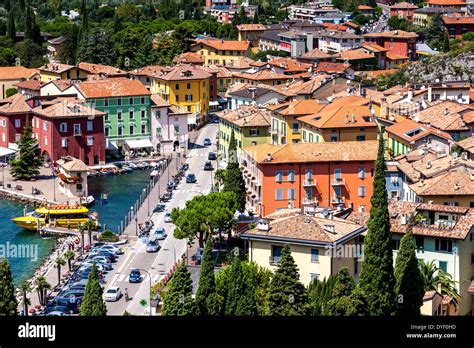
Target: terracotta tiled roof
[(72, 164), (150, 70), (244, 63), (67, 108), (56, 67), (289, 65), (114, 87), (445, 116), (15, 104), (298, 107), (316, 54), (355, 54), (101, 69), (467, 144), (452, 183), (220, 71), (401, 128), (341, 117), (393, 34), (449, 19), (373, 47), (16, 72), (314, 152), (189, 57), (224, 45), (395, 56), (332, 68), (157, 101), (351, 24), (247, 116), (179, 72), (446, 2), (251, 27), (364, 7), (33, 84), (332, 26), (310, 86), (306, 228), (262, 75), (403, 5), (372, 74), (61, 84)]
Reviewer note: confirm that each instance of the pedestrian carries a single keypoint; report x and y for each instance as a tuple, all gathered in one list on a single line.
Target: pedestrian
[(68, 224)]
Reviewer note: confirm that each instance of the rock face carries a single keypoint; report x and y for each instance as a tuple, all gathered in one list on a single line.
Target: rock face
[(443, 67)]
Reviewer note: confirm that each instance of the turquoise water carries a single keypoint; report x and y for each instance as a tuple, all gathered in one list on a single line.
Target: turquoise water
[(123, 191)]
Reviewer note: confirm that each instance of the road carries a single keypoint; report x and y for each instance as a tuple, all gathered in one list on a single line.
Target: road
[(158, 264)]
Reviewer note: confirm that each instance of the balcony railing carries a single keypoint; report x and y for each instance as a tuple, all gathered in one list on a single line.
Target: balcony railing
[(338, 182), (338, 200), (308, 182), (274, 260)]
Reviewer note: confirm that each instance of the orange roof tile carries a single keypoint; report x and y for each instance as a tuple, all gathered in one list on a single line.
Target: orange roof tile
[(33, 84), (458, 20), (16, 72), (101, 69), (114, 87), (403, 5), (401, 129), (247, 116), (364, 7), (467, 144), (263, 75), (393, 34), (372, 74), (453, 183), (355, 54), (289, 65), (56, 67), (298, 107), (332, 26), (189, 57), (372, 46), (395, 56), (251, 27), (316, 54), (351, 24), (341, 117), (314, 152), (332, 68), (445, 116), (15, 104), (446, 2), (158, 101), (224, 45), (244, 63), (175, 73), (67, 108)]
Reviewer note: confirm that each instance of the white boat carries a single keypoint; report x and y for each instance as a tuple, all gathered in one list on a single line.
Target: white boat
[(127, 169), (132, 165), (87, 201), (154, 173), (142, 165), (153, 164)]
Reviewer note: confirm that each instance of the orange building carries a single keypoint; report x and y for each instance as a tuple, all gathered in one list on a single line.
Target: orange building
[(403, 10), (327, 174), (398, 42)]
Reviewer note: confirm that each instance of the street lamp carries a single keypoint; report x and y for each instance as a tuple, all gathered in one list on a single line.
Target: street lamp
[(149, 292), (148, 198), (54, 184)]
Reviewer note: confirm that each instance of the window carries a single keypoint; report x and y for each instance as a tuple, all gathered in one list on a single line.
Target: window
[(314, 255), (188, 85), (291, 194), (254, 132), (143, 128), (311, 137), (189, 97), (131, 114), (63, 127), (132, 129), (176, 86), (420, 242), (278, 194), (443, 245), (119, 115), (296, 127), (46, 141), (143, 113), (17, 123), (337, 173), (360, 138), (395, 244), (308, 191), (361, 173), (90, 140), (276, 254), (45, 125), (361, 191), (291, 175), (130, 101), (158, 132), (106, 116), (176, 129), (177, 98), (278, 176), (119, 101), (106, 102), (107, 131), (443, 265), (64, 142), (158, 113), (314, 276), (90, 126), (119, 130), (4, 123), (77, 129), (304, 135)]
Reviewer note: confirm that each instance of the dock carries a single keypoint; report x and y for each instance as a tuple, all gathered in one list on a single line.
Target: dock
[(62, 231)]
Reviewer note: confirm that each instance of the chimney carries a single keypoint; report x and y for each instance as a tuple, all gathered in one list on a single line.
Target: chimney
[(410, 96), (403, 219), (263, 225), (269, 157), (430, 94), (330, 228), (384, 108), (446, 111), (353, 118), (347, 118)]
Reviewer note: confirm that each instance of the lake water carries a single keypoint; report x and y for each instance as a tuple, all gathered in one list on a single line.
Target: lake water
[(122, 190)]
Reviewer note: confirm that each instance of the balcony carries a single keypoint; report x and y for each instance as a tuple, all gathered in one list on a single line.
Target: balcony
[(338, 182), (274, 260), (295, 131), (338, 200), (309, 182), (274, 132)]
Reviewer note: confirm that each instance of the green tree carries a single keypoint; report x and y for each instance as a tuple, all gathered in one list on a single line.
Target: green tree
[(409, 283), (69, 256), (28, 160), (42, 287), (242, 17), (288, 295), (234, 181), (68, 52), (320, 293), (97, 46), (346, 300), (436, 279), (25, 289), (11, 91), (92, 303), (59, 262), (376, 279), (206, 297), (446, 45), (8, 302), (241, 298), (178, 300), (11, 30)]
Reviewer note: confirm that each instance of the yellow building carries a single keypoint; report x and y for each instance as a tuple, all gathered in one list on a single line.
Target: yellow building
[(320, 245), (11, 75), (251, 32), (57, 71), (184, 86), (220, 52), (285, 127), (346, 119)]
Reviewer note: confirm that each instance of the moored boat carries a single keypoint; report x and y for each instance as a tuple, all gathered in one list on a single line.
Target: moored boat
[(87, 201)]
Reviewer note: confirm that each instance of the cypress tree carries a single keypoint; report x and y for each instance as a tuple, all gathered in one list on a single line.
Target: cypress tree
[(206, 296), (409, 283), (241, 298), (8, 302), (92, 303), (178, 300), (288, 295), (346, 300), (11, 30), (234, 181), (376, 280), (28, 160)]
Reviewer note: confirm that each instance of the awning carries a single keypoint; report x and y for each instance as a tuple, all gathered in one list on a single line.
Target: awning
[(138, 143), (6, 152), (112, 145), (213, 103)]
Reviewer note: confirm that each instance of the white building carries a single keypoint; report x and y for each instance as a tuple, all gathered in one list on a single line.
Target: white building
[(72, 177), (337, 41)]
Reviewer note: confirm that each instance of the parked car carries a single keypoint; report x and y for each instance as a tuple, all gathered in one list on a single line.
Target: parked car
[(208, 166), (207, 142), (168, 217), (106, 265), (184, 167), (135, 276), (165, 197), (172, 185), (160, 233), (211, 156), (112, 248), (55, 309), (159, 208), (100, 258), (69, 305), (191, 178), (112, 294), (107, 254), (152, 246)]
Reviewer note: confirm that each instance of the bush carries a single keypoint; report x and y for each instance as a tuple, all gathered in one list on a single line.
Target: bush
[(11, 91), (108, 236)]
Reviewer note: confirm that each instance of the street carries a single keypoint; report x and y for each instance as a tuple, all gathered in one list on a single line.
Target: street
[(158, 264)]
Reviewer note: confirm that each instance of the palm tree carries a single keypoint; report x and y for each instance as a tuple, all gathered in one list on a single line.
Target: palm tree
[(69, 256), (435, 278), (42, 286), (59, 262), (25, 288)]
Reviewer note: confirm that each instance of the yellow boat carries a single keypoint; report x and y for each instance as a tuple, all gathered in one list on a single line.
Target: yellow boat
[(59, 215)]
